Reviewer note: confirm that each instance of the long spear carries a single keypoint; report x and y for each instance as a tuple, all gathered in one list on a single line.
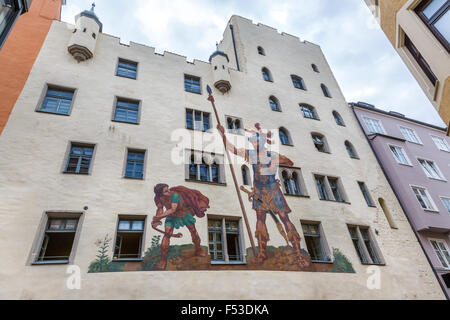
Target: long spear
[(241, 203)]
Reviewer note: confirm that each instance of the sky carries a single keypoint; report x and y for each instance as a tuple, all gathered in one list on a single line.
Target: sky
[(362, 59)]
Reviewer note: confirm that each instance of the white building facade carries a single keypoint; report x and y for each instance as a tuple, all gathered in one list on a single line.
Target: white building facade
[(98, 126)]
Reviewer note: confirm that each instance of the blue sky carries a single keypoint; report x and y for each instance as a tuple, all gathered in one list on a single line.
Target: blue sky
[(364, 62)]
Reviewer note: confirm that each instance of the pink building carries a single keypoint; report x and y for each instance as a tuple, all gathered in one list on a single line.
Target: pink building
[(415, 156)]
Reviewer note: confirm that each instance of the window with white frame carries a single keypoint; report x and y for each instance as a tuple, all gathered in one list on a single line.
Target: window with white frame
[(205, 167), (365, 245), (330, 188), (446, 202), (197, 120), (441, 143), (224, 239), (374, 125), (430, 169), (292, 181), (441, 250), (235, 125), (399, 155), (129, 239), (410, 135), (316, 242), (424, 198)]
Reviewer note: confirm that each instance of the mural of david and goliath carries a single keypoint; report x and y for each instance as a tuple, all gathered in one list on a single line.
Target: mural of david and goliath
[(180, 207)]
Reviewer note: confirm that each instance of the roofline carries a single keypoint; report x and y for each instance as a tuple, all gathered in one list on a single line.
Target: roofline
[(353, 104)]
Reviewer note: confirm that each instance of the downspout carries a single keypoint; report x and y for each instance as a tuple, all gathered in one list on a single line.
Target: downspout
[(234, 46), (401, 204)]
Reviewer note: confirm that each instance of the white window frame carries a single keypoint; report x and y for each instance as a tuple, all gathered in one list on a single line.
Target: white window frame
[(436, 169), (434, 250), (427, 194), (377, 120), (433, 137), (448, 199), (326, 253), (403, 153), (413, 133), (209, 159)]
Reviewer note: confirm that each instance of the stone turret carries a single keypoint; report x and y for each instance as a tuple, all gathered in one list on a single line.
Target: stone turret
[(84, 38), (221, 75)]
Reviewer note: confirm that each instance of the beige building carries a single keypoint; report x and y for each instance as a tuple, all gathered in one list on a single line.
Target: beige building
[(419, 31), (99, 124)]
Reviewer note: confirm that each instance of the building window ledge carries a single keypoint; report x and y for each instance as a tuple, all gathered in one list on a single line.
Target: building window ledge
[(222, 184), (297, 195)]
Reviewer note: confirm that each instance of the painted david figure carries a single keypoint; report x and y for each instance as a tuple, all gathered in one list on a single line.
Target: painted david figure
[(266, 194), (179, 206)]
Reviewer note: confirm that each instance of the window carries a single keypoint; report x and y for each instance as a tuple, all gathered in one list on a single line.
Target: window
[(409, 135), (399, 155), (364, 245), (245, 175), (267, 76), (127, 111), (292, 181), (192, 84), (309, 112), (351, 150), (366, 194), (441, 250), (284, 137), (261, 51), (135, 164), (423, 198), (374, 126), (9, 11), (325, 91), (127, 69), (234, 125), (314, 67), (80, 158), (435, 14), (423, 64), (57, 100), (197, 120), (59, 236), (129, 239), (320, 142), (298, 82), (446, 202), (338, 119), (205, 167), (441, 143), (330, 188), (430, 169), (315, 242), (224, 241), (274, 104)]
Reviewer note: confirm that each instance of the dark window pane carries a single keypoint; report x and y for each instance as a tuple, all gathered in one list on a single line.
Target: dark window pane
[(189, 119)]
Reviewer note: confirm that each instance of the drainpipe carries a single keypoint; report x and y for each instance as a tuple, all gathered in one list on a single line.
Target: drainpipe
[(234, 46), (401, 204)]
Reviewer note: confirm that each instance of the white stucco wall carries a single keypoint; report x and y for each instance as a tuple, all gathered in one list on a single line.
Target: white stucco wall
[(34, 145)]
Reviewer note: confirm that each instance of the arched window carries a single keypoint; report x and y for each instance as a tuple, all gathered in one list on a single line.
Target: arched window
[(245, 175), (261, 51), (215, 172), (284, 137), (309, 112), (325, 91), (192, 169), (320, 142), (314, 67), (204, 171), (351, 150), (387, 213), (274, 103), (338, 119), (298, 82), (267, 76)]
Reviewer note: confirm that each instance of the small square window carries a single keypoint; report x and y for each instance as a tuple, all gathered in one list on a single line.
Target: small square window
[(127, 69), (129, 239), (80, 158), (127, 111), (57, 100), (135, 164), (192, 84)]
